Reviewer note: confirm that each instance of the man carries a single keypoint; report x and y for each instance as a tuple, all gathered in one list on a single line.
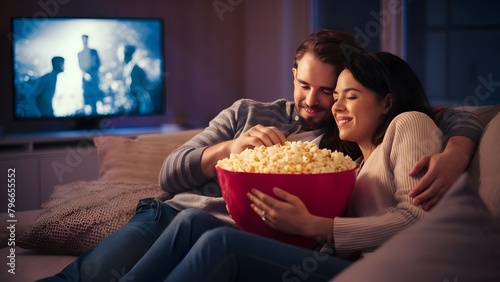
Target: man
[(188, 174), (89, 62), (137, 82), (45, 89)]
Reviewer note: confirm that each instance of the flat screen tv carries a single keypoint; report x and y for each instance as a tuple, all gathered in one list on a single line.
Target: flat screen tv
[(87, 68)]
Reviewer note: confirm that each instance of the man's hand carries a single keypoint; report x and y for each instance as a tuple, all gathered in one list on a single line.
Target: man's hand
[(443, 170), (257, 136), (254, 137)]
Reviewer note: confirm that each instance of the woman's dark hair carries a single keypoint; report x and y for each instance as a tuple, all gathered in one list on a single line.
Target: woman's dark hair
[(385, 73), (329, 46), (331, 140)]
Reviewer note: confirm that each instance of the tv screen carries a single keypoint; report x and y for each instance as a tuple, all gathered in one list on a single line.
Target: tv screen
[(87, 67)]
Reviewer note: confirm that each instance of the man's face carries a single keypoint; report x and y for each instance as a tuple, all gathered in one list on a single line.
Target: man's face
[(85, 40), (314, 83), (59, 67)]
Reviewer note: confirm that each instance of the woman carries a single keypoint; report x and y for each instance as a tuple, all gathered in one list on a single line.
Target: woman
[(380, 105)]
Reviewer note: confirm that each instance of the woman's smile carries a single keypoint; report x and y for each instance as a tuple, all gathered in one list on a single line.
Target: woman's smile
[(341, 121)]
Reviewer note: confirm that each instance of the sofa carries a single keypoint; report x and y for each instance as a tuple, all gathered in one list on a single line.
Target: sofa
[(456, 242)]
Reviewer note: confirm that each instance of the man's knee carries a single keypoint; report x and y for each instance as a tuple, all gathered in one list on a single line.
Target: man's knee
[(193, 214), (197, 221), (151, 210), (217, 235)]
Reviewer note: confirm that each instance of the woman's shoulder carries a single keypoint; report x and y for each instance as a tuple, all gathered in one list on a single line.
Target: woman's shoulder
[(412, 131), (411, 124), (409, 118)]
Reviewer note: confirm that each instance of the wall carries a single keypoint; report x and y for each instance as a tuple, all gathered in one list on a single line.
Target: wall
[(453, 47), (273, 31), (216, 51), (357, 17)]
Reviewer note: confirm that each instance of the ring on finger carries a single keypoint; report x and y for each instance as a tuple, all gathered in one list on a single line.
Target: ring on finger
[(263, 215)]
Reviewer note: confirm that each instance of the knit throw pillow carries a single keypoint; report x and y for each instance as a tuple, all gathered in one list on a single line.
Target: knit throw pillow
[(80, 214)]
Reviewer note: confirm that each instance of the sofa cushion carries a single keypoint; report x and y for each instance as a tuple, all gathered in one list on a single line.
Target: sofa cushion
[(80, 214), (458, 241), (485, 166), (138, 159), (131, 160), (179, 137)]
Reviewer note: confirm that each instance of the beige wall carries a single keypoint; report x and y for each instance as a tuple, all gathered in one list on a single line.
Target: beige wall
[(273, 31), (212, 57)]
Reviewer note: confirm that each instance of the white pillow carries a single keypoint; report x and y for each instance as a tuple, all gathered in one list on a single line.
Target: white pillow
[(458, 241)]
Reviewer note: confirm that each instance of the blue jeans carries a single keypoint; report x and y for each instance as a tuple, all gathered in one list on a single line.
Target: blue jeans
[(172, 245), (118, 253), (226, 254)]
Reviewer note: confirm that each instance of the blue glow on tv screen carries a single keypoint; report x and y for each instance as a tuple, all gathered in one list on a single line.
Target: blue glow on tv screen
[(87, 67)]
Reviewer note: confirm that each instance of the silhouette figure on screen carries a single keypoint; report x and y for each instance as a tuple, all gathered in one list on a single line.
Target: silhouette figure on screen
[(89, 62), (44, 90), (137, 82)]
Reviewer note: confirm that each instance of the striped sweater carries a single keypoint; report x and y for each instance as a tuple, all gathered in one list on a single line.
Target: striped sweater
[(181, 173), (380, 206)]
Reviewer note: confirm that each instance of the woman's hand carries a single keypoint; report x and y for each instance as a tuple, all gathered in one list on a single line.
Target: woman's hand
[(288, 214)]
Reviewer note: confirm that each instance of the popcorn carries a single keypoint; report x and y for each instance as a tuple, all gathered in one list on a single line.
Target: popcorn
[(294, 157)]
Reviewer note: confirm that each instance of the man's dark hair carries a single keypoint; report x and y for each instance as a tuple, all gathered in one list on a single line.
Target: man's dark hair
[(329, 46)]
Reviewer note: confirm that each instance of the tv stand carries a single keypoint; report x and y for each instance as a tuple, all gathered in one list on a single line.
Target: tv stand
[(43, 160)]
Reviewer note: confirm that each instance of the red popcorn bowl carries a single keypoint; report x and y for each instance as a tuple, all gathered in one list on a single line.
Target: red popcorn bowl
[(324, 194)]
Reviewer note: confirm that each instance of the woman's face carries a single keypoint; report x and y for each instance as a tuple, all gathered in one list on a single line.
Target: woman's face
[(357, 110)]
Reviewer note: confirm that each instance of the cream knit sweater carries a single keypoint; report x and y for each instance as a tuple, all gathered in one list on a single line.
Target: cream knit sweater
[(380, 206)]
